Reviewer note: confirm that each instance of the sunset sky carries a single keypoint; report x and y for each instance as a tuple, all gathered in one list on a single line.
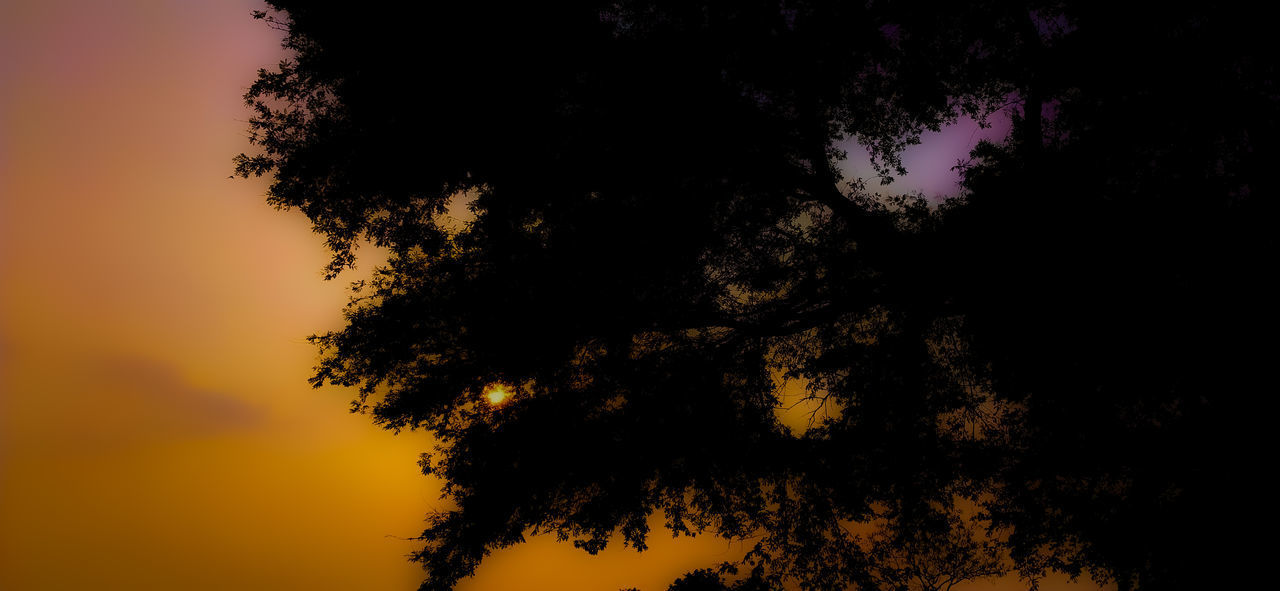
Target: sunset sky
[(156, 427)]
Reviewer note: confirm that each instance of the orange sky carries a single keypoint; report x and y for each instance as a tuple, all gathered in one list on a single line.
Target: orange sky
[(156, 428)]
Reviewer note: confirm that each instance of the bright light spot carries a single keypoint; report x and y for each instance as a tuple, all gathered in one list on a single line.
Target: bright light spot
[(496, 394)]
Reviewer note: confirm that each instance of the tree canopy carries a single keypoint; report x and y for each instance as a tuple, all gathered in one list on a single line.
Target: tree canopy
[(1057, 370)]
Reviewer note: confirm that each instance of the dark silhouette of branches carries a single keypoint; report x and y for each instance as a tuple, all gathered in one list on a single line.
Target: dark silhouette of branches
[(661, 236)]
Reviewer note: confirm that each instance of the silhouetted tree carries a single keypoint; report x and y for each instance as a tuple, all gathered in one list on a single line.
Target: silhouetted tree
[(709, 580), (1114, 283), (932, 547), (661, 233)]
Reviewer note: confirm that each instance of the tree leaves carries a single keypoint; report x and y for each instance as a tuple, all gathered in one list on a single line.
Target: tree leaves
[(660, 231)]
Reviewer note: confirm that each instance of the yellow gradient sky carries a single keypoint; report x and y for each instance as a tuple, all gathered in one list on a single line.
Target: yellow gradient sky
[(156, 428)]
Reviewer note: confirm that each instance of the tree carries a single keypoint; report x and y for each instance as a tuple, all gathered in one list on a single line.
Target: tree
[(932, 548), (660, 232)]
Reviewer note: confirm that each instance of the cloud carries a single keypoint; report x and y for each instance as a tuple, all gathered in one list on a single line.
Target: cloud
[(113, 401)]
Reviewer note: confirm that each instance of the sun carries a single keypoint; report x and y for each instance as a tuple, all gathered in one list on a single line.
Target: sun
[(496, 394)]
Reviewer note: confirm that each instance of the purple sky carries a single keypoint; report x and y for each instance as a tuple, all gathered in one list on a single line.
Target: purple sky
[(929, 164)]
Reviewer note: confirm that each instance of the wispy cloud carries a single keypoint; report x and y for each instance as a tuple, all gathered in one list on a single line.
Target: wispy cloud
[(112, 401)]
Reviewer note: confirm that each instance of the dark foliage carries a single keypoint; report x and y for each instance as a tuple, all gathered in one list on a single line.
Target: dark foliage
[(1072, 354)]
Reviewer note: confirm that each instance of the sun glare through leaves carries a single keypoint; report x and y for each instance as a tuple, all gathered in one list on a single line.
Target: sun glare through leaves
[(496, 394)]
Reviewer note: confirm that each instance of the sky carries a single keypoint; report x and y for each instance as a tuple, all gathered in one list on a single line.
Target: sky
[(156, 427)]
